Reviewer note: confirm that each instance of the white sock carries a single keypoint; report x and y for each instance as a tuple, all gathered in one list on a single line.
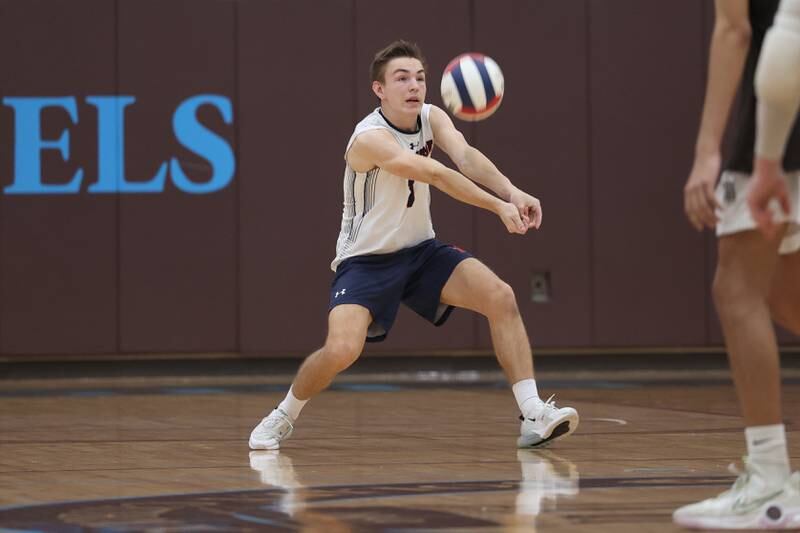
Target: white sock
[(766, 447), (291, 405), (527, 395)]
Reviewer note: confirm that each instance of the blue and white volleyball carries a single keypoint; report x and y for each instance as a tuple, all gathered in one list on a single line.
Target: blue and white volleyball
[(472, 87)]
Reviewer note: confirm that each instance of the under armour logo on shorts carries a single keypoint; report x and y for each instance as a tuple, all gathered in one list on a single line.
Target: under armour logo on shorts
[(339, 292), (729, 191)]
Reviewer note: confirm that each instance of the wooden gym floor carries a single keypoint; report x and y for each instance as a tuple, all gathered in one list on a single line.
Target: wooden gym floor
[(393, 450)]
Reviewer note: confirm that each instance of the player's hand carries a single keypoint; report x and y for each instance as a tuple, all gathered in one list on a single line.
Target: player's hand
[(509, 214), (768, 183), (530, 209), (699, 201)]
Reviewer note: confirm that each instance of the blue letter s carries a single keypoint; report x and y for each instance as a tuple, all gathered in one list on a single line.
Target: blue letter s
[(205, 143)]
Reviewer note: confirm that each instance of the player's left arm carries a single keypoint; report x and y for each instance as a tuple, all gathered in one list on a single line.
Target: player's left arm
[(778, 92), (480, 169)]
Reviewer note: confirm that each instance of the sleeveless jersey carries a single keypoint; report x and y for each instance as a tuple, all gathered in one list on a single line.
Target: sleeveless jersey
[(762, 13), (384, 213)]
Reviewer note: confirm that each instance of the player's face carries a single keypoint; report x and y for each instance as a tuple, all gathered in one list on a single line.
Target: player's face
[(404, 85)]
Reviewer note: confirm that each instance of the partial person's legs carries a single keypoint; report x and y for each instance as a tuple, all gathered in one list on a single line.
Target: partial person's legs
[(347, 331), (472, 285), (745, 270), (764, 496)]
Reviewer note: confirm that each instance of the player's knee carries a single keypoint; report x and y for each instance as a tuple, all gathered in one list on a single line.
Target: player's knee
[(501, 300), (342, 352)]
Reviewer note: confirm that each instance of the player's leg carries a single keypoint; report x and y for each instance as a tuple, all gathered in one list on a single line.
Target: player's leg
[(472, 285), (347, 331), (784, 299), (742, 283), (764, 495)]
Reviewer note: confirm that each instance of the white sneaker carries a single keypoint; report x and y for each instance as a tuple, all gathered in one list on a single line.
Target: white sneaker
[(752, 503), (545, 477), (546, 424), (269, 433)]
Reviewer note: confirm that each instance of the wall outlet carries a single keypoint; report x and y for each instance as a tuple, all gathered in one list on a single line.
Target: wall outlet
[(540, 287)]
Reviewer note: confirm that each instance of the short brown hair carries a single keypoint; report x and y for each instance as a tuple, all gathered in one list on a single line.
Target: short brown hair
[(394, 50)]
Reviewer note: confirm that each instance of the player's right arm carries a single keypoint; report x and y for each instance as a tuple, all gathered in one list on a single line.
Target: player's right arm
[(377, 148), (729, 45)]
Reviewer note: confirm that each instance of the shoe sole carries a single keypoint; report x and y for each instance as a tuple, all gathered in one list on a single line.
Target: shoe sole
[(788, 517), (789, 521), (564, 429), (262, 447)]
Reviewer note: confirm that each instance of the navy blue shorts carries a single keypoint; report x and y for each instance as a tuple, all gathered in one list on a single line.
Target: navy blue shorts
[(414, 276)]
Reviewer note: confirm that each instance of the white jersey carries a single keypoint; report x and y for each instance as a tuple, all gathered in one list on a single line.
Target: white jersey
[(384, 213)]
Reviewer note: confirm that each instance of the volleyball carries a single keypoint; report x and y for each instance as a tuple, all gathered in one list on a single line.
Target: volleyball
[(472, 87)]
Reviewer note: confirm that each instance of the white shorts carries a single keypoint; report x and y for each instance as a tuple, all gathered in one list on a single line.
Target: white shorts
[(734, 217)]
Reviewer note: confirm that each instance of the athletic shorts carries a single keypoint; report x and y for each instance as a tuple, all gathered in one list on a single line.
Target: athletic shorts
[(735, 214), (414, 276)]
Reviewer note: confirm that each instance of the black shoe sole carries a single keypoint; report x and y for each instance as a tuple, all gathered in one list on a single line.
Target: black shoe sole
[(559, 431)]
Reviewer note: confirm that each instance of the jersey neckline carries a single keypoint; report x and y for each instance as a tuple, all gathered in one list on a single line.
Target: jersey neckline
[(406, 132)]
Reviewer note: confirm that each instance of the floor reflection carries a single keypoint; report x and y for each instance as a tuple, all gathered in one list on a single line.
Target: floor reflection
[(276, 469), (546, 478)]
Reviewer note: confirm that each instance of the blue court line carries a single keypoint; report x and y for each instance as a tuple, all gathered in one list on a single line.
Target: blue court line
[(581, 384)]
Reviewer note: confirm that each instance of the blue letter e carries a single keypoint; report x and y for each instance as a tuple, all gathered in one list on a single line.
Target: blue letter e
[(205, 143), (29, 144)]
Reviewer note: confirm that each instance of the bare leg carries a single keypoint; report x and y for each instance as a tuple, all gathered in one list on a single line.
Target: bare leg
[(347, 331), (747, 263), (784, 299), (473, 286)]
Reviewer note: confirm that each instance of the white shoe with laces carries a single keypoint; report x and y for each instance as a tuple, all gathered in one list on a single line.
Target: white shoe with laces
[(751, 503), (546, 423), (269, 433)]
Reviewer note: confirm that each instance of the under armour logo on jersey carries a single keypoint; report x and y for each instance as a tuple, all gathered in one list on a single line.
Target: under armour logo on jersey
[(341, 292), (413, 145)]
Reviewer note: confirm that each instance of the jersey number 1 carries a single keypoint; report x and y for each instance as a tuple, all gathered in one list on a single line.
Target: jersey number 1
[(410, 201)]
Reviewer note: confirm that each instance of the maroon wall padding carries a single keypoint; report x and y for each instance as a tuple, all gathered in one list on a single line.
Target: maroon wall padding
[(539, 139), (713, 329), (297, 99), (599, 121), (178, 264), (646, 79), (58, 286), (452, 221)]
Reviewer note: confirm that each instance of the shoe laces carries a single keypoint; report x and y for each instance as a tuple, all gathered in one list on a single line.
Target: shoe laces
[(550, 403), (547, 407), (277, 420), (743, 478)]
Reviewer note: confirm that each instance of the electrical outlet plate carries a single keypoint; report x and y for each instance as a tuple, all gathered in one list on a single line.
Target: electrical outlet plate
[(540, 286)]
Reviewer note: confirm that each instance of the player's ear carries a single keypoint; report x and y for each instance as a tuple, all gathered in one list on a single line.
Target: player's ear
[(377, 88)]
